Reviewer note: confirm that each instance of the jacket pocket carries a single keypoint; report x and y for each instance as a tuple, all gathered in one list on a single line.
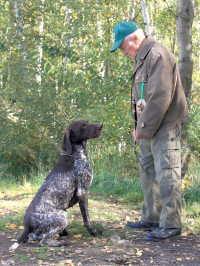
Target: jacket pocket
[(170, 155), (139, 79)]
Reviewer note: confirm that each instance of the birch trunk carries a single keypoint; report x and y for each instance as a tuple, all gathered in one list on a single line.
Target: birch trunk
[(185, 16), (65, 43), (132, 9), (19, 22), (66, 19), (40, 23), (146, 17)]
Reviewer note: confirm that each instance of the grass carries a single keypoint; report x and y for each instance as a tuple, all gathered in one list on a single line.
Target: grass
[(42, 256), (11, 219), (115, 175), (20, 256)]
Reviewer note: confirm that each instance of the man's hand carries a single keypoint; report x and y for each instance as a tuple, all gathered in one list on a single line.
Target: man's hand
[(138, 136)]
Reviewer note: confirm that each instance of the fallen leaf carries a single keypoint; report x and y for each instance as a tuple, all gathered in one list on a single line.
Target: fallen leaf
[(68, 261), (78, 236), (78, 251), (126, 218), (21, 227), (139, 253), (12, 226), (130, 253), (114, 238), (179, 259)]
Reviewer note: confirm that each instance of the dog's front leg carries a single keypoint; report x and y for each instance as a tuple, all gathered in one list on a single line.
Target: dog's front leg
[(83, 203)]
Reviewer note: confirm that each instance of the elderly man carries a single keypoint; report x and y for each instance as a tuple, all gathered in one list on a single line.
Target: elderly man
[(160, 111)]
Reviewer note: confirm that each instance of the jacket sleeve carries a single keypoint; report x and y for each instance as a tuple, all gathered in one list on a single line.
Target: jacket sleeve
[(160, 87)]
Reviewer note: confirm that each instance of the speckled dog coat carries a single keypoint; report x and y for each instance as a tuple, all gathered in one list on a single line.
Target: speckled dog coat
[(67, 184)]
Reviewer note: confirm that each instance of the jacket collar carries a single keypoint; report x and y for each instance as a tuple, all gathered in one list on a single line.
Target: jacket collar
[(145, 50)]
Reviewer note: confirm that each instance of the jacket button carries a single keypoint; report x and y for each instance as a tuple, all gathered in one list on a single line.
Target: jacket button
[(142, 125)]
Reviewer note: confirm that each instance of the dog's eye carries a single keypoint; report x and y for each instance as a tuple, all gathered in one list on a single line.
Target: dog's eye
[(83, 126)]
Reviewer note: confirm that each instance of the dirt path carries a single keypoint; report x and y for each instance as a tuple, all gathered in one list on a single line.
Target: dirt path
[(117, 246)]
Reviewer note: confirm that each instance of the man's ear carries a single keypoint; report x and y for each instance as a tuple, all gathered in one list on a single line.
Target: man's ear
[(135, 39)]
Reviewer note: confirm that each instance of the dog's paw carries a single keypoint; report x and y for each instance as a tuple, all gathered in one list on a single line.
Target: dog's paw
[(95, 232), (50, 243), (64, 233)]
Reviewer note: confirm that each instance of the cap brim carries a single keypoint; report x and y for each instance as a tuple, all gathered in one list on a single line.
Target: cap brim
[(116, 45)]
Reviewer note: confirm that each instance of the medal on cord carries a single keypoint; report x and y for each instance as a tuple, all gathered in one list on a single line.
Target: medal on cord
[(141, 103)]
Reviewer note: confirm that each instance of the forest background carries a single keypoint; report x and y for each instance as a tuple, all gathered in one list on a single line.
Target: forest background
[(56, 67)]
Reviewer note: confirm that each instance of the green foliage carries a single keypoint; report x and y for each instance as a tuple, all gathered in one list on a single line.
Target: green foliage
[(192, 193), (65, 72), (116, 172), (79, 78), (194, 126)]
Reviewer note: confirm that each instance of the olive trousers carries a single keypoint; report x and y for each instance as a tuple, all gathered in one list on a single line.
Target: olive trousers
[(160, 173)]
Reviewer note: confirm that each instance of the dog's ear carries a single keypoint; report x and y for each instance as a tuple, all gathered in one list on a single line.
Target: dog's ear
[(66, 146), (84, 143)]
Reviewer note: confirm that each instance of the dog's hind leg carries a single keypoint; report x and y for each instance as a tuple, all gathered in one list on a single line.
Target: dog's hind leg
[(54, 224), (46, 241)]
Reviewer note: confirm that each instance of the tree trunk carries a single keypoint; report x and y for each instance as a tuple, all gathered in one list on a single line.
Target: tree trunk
[(132, 9), (145, 17), (19, 22), (40, 23), (185, 16)]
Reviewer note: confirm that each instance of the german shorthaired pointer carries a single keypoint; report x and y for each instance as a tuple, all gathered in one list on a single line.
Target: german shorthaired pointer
[(67, 184)]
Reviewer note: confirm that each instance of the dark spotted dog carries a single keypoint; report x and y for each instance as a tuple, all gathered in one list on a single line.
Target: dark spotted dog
[(67, 184)]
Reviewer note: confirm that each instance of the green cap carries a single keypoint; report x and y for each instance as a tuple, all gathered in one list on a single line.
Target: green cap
[(122, 30)]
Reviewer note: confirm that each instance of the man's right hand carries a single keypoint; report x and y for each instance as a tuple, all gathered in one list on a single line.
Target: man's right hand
[(138, 136)]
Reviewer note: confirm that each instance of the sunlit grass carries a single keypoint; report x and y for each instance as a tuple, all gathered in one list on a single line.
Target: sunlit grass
[(115, 177)]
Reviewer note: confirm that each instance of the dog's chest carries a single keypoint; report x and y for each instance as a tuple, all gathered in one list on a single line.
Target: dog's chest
[(83, 171)]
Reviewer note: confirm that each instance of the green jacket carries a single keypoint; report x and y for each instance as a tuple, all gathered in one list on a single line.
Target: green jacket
[(166, 105)]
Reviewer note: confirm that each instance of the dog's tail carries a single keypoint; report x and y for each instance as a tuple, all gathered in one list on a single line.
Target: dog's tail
[(21, 238)]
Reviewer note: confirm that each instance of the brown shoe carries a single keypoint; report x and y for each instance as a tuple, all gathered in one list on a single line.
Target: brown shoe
[(163, 234), (143, 226)]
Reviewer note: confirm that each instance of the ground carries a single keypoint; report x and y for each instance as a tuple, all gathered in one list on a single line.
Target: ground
[(116, 246)]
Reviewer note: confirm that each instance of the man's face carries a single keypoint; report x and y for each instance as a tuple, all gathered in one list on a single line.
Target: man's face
[(129, 48)]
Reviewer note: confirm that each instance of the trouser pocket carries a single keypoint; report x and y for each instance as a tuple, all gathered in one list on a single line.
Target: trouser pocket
[(170, 155)]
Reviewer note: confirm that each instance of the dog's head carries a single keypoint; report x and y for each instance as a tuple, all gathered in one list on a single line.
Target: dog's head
[(79, 132)]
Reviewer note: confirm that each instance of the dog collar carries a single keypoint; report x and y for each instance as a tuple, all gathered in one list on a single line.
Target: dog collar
[(78, 158)]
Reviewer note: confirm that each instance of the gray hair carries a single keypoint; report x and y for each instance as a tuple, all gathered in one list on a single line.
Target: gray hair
[(138, 32)]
